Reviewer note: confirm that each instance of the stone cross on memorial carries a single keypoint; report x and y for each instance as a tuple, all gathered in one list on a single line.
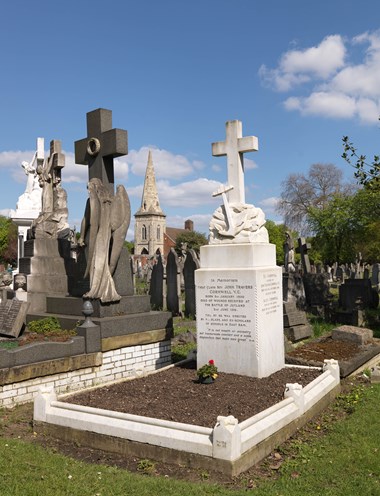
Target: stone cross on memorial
[(101, 146), (234, 147), (302, 249)]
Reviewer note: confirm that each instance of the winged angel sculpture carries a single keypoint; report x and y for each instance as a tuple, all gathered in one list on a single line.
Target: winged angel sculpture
[(103, 230)]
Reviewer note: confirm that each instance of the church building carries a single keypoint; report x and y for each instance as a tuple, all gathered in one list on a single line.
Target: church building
[(150, 221), (152, 236)]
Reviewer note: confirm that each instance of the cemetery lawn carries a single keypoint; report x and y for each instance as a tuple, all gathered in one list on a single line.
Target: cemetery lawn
[(335, 454)]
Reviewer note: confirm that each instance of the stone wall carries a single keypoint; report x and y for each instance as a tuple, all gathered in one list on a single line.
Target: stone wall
[(124, 363)]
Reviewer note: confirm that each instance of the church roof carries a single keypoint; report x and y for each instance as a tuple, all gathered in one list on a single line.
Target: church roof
[(150, 204)]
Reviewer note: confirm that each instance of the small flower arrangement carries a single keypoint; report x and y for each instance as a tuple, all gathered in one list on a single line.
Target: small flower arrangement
[(208, 370)]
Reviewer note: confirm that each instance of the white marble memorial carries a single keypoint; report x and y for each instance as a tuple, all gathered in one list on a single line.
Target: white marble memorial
[(28, 206), (238, 286)]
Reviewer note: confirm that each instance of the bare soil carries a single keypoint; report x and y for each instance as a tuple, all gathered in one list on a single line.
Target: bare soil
[(175, 394), (316, 351)]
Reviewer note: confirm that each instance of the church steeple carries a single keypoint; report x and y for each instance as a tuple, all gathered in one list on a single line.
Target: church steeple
[(150, 203), (150, 221)]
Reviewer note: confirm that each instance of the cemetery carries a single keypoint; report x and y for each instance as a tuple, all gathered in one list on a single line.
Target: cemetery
[(251, 320)]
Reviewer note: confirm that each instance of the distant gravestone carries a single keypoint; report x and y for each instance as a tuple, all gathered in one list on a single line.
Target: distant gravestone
[(190, 266), (302, 249), (156, 285), (172, 283), (12, 317), (375, 279)]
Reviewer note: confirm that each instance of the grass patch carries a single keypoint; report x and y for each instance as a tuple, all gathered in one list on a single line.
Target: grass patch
[(333, 459), (320, 326), (8, 345)]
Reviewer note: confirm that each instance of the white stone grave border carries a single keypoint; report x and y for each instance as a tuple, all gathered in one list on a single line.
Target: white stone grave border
[(230, 446)]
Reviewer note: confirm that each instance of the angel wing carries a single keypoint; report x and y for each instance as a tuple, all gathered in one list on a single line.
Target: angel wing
[(120, 220)]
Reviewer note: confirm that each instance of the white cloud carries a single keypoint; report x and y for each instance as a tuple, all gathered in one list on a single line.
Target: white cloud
[(270, 202), (5, 212), (336, 87), (189, 194), (249, 164), (166, 164), (299, 66), (335, 105)]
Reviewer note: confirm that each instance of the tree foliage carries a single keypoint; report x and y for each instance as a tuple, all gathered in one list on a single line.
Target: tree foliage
[(8, 241), (277, 237), (366, 173), (301, 192), (193, 239)]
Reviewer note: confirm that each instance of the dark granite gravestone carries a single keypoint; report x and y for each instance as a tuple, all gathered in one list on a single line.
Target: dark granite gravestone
[(172, 282), (190, 266), (12, 317), (302, 249), (101, 146), (352, 289), (157, 285)]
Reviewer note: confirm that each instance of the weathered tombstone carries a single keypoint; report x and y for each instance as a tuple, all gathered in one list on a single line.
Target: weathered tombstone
[(156, 285), (238, 286), (302, 249), (340, 273), (375, 278), (47, 252), (189, 268), (352, 289), (12, 317), (172, 283)]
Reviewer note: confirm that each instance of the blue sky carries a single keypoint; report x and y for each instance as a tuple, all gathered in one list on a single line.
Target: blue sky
[(298, 74)]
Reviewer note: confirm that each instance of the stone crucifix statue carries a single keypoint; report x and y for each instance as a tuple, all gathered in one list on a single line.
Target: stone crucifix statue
[(235, 221), (107, 216)]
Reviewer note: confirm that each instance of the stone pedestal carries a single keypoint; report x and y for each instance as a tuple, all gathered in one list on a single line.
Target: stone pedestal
[(239, 309), (45, 262)]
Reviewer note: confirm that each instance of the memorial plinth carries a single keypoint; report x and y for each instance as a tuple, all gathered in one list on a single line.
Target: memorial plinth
[(239, 309)]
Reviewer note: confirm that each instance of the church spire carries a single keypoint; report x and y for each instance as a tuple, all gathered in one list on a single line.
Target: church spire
[(149, 202)]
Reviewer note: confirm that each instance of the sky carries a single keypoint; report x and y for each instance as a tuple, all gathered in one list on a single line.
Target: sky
[(299, 75)]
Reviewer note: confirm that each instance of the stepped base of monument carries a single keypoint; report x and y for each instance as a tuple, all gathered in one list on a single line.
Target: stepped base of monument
[(132, 315)]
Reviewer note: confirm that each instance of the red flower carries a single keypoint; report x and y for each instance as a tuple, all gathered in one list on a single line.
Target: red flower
[(211, 362)]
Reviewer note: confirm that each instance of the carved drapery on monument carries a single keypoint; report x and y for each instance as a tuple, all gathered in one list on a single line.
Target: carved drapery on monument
[(52, 221), (107, 216)]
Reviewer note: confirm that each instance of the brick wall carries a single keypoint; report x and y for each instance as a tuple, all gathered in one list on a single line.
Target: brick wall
[(123, 363)]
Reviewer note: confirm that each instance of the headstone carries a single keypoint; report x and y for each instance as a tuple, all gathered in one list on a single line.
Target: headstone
[(296, 325), (340, 273), (173, 291), (303, 248), (375, 278), (238, 285), (156, 285), (12, 317), (189, 268), (352, 289)]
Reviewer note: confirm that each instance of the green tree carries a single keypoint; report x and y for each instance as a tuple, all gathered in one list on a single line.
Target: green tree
[(277, 237), (193, 239), (8, 241), (338, 227), (366, 173), (130, 245)]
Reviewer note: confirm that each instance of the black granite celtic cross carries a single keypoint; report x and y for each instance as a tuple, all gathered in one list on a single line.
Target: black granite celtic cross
[(101, 146)]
